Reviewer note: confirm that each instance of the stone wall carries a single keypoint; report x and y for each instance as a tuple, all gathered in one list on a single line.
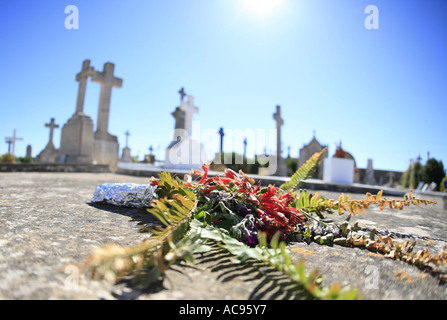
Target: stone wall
[(53, 167)]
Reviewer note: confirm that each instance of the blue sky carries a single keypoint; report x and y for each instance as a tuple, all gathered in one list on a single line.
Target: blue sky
[(381, 92)]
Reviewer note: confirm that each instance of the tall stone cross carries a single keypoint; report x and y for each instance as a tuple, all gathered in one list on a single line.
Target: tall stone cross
[(82, 77), (127, 134), (281, 165), (279, 123), (107, 81), (221, 133), (12, 140), (190, 109), (52, 126)]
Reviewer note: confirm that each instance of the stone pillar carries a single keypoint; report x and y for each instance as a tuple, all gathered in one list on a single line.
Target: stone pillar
[(126, 157), (29, 151), (281, 168), (369, 174), (77, 140)]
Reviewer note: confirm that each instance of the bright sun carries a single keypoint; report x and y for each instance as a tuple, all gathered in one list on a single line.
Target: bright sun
[(261, 7)]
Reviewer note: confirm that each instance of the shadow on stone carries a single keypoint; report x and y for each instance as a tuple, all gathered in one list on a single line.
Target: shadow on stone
[(141, 216), (271, 284)]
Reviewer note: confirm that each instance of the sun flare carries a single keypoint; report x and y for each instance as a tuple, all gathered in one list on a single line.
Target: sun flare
[(261, 7)]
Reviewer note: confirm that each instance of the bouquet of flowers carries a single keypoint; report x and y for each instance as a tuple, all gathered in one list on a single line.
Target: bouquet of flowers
[(251, 222)]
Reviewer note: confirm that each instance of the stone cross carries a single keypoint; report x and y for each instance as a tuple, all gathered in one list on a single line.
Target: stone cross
[(107, 81), (190, 109), (52, 126), (279, 123), (12, 140), (221, 133), (82, 77), (281, 165), (182, 93), (127, 134)]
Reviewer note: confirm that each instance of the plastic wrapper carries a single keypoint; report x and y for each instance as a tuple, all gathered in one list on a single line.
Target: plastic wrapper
[(125, 194)]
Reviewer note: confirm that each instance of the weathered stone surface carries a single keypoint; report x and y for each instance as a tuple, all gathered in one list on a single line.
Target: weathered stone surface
[(77, 140), (48, 226)]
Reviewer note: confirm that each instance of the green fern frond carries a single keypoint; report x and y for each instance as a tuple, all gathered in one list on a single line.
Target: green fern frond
[(305, 171), (318, 204), (276, 255), (174, 210)]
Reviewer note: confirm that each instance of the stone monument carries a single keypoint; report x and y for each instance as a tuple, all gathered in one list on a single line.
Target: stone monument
[(184, 152), (29, 153), (105, 145), (126, 150), (369, 174), (77, 134), (281, 168), (49, 154), (150, 158)]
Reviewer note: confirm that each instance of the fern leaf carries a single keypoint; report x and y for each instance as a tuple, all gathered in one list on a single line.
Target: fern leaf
[(305, 171), (157, 253)]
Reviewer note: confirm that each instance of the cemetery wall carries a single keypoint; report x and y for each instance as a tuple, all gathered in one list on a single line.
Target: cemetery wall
[(53, 167)]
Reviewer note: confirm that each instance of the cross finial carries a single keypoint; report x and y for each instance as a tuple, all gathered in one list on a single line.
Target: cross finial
[(182, 93), (277, 116), (127, 134)]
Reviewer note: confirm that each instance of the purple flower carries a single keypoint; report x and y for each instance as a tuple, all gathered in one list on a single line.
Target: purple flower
[(251, 240), (243, 210)]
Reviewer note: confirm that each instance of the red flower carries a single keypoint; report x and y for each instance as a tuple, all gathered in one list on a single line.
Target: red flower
[(276, 215)]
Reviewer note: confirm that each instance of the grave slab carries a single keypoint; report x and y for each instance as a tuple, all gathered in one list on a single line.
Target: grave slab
[(48, 226)]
